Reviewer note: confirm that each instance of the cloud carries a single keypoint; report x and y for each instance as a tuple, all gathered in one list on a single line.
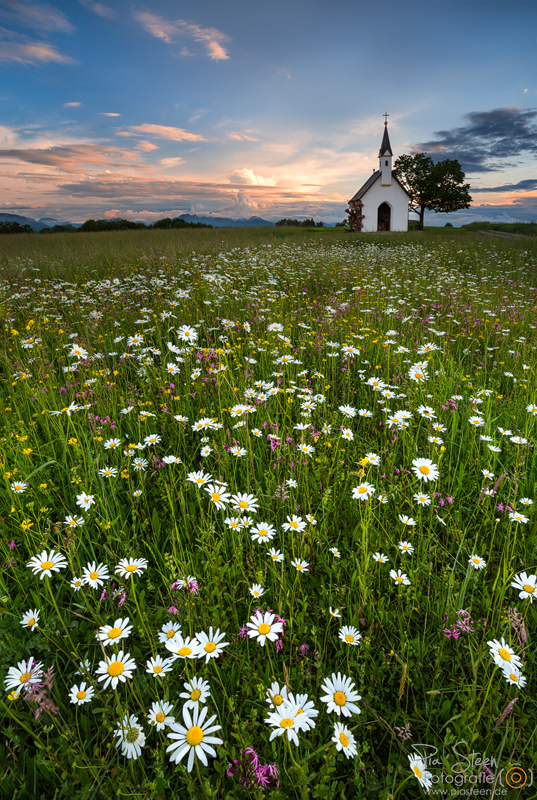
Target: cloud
[(41, 16), (527, 185), (68, 158), (163, 132), (71, 105), (146, 146), (249, 176), (109, 114), (210, 38), (171, 162), (488, 138), (239, 137), (99, 8), (32, 53)]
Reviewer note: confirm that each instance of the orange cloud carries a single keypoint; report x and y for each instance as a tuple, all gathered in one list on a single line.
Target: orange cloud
[(164, 132), (32, 53), (211, 38), (146, 146), (70, 105), (240, 136)]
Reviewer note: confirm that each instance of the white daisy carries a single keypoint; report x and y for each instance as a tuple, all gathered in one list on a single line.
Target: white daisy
[(211, 644), (197, 692), (46, 563), (83, 693), (193, 738), (344, 740), (263, 627), (183, 647), (110, 634), (158, 715), (340, 696), (115, 669), (158, 666), (526, 585), (94, 575), (168, 631), (30, 619)]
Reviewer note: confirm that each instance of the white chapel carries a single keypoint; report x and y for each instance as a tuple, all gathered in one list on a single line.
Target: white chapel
[(385, 200)]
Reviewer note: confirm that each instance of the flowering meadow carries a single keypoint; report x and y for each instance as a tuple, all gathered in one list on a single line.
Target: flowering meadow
[(268, 522)]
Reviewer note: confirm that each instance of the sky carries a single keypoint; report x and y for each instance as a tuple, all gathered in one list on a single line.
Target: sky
[(144, 110)]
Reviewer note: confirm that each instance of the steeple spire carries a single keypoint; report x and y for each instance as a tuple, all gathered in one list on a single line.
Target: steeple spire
[(385, 156), (385, 147)]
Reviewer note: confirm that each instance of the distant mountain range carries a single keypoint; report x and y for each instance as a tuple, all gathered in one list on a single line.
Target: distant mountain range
[(226, 222), (217, 222), (36, 225)]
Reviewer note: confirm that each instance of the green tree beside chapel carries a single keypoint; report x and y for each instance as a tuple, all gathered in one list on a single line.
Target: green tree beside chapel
[(436, 187)]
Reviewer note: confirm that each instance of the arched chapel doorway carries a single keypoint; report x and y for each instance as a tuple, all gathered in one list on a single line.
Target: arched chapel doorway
[(383, 218)]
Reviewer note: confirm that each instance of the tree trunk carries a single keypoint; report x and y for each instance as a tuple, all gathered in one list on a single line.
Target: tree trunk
[(422, 214)]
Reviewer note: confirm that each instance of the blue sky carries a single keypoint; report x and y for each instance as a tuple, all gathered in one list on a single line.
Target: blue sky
[(144, 110)]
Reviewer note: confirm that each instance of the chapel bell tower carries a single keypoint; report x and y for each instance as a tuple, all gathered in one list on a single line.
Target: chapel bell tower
[(385, 157)]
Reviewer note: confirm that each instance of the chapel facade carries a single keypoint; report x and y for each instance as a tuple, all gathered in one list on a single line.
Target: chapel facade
[(385, 199)]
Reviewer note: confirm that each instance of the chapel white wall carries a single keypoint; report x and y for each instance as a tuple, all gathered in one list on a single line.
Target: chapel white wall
[(395, 196)]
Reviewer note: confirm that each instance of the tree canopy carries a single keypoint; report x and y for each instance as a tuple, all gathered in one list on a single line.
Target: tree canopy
[(434, 187)]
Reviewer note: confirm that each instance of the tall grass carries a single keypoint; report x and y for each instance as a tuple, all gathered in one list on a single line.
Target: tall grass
[(318, 336)]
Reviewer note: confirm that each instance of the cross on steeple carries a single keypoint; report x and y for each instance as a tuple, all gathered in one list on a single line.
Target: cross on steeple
[(385, 118)]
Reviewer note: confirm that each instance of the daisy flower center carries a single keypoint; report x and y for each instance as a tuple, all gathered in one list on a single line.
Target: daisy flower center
[(505, 654), (170, 634), (424, 470), (94, 575), (299, 566), (160, 717), (349, 638), (115, 668), (157, 669), (286, 723), (514, 677), (47, 564), (362, 489), (294, 525), (194, 736), (215, 496), (278, 700), (527, 588), (475, 560), (184, 651), (131, 568), (113, 633), (195, 695), (133, 735), (243, 504), (344, 740), (264, 628), (263, 532), (31, 622), (399, 579), (417, 772), (210, 647), (25, 677), (340, 699), (80, 695)]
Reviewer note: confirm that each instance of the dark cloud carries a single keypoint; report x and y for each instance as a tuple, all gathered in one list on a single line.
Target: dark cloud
[(522, 186), (69, 158), (487, 140)]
